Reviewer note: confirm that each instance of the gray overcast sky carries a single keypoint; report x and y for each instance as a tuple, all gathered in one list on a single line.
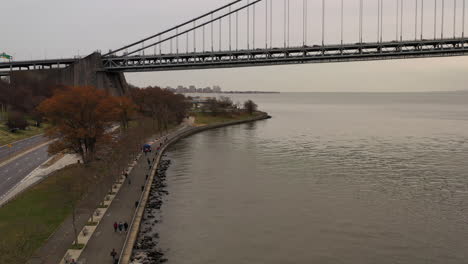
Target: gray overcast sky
[(57, 28)]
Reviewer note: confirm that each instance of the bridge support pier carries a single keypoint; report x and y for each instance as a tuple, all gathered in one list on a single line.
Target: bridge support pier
[(88, 71)]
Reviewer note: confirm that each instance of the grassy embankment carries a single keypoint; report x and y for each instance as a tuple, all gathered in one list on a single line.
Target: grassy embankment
[(27, 222), (202, 119), (7, 137)]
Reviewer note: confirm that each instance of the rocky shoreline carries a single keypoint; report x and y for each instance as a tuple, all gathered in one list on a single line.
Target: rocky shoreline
[(146, 250)]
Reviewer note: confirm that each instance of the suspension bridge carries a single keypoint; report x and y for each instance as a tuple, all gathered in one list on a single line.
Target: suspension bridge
[(247, 33)]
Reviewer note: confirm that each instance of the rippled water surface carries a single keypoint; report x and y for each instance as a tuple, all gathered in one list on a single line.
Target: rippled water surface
[(332, 178)]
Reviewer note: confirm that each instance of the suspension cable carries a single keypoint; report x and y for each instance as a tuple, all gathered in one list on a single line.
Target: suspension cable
[(198, 26), (173, 28)]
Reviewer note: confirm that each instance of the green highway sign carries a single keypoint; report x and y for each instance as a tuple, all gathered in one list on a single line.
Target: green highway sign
[(6, 56)]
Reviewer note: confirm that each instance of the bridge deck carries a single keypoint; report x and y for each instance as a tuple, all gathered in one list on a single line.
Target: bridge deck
[(265, 56)]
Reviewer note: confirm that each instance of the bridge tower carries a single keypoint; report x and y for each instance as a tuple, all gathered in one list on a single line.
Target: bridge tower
[(87, 71)]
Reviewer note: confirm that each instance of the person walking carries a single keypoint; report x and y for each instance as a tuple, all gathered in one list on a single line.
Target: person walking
[(120, 227), (126, 226), (113, 254), (115, 226)]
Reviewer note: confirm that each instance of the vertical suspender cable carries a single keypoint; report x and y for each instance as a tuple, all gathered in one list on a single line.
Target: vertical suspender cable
[(187, 38), (396, 21), (401, 20), (306, 19), (230, 32), (160, 52), (212, 31), (323, 22), (342, 24), (378, 21), (381, 19), (203, 33), (360, 21), (266, 24), (454, 17), (253, 27), (463, 18), (303, 21), (285, 5), (422, 19), (288, 23), (271, 23), (177, 40), (442, 22), (194, 37), (248, 25), (435, 19), (220, 42), (237, 30), (416, 21)]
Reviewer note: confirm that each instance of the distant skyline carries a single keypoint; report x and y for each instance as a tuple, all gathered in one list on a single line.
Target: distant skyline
[(57, 28)]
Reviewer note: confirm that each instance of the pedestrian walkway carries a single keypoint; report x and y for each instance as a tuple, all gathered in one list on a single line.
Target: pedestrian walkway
[(122, 209)]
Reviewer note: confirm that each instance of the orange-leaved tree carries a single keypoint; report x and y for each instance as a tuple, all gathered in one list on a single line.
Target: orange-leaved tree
[(80, 117)]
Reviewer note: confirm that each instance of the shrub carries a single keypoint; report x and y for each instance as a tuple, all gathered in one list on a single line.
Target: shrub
[(16, 120), (250, 107)]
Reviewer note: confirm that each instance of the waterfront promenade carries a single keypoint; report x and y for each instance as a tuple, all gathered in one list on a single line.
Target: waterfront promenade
[(123, 207)]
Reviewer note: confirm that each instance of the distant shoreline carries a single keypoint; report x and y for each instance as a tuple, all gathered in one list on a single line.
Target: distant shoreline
[(236, 92)]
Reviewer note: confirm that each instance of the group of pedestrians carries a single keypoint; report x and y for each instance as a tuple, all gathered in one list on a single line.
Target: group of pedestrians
[(121, 226)]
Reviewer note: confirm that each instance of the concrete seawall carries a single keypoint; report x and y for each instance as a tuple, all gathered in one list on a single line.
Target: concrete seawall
[(139, 213)]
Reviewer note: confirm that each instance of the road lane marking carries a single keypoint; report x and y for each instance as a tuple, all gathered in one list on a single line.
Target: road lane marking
[(26, 152)]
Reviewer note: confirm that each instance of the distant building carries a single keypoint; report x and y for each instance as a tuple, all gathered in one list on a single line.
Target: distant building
[(216, 89)]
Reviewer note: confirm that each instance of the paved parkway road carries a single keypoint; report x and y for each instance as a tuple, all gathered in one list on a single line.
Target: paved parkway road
[(13, 172)]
